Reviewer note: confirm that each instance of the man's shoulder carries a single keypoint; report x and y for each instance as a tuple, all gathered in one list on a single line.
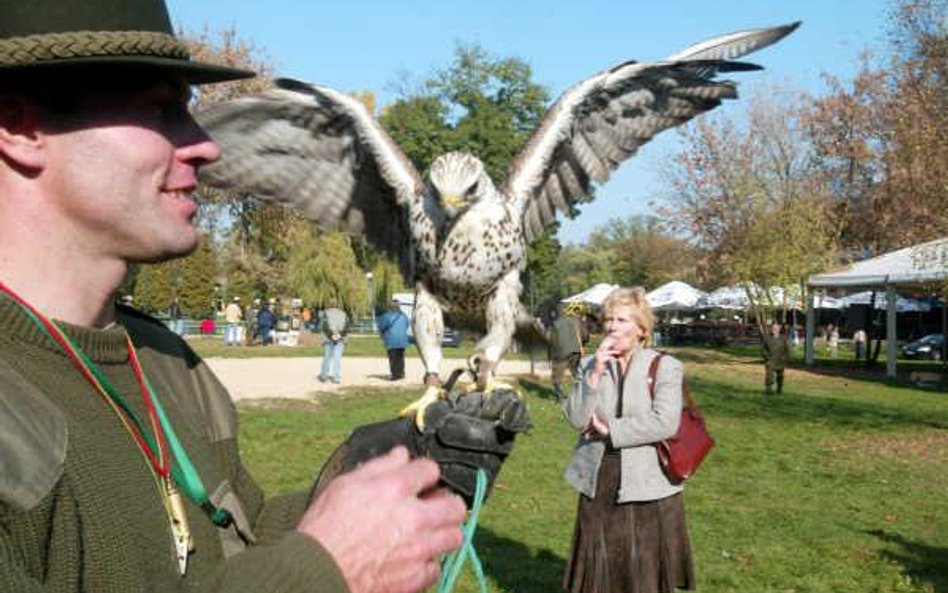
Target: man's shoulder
[(131, 316), (33, 437)]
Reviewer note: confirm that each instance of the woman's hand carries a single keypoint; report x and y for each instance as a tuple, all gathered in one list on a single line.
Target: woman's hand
[(596, 427), (607, 349)]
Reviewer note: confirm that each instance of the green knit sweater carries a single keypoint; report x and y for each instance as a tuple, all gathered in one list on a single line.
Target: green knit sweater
[(79, 508)]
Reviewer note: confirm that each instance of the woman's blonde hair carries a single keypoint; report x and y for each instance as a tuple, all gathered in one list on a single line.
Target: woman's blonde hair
[(634, 298)]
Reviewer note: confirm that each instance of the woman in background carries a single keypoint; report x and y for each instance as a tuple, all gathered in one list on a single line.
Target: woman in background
[(630, 534)]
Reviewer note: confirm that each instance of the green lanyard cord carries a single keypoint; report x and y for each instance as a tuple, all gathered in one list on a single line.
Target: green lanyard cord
[(452, 563), (182, 470)]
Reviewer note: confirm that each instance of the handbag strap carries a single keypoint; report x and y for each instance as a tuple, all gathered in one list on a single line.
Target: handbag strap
[(653, 372)]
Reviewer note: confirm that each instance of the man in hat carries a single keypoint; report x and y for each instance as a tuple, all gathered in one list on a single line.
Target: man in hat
[(119, 466), (775, 349), (393, 325), (567, 339)]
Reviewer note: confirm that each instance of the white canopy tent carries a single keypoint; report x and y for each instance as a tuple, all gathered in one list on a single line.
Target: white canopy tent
[(910, 268), (594, 295), (674, 296), (726, 297), (902, 304)]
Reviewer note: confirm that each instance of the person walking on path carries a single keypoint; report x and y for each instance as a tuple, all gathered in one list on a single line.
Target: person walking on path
[(775, 349), (334, 327), (119, 461), (567, 337), (233, 315), (393, 325)]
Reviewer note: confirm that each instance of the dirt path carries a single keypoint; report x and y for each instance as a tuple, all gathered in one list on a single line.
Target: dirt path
[(268, 377)]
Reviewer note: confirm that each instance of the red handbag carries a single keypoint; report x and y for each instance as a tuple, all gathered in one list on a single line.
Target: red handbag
[(681, 455)]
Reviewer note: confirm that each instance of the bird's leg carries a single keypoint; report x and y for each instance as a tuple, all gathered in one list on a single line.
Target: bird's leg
[(428, 326), (500, 317)]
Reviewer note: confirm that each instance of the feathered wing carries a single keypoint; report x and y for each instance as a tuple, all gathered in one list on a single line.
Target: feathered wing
[(319, 151), (600, 122)]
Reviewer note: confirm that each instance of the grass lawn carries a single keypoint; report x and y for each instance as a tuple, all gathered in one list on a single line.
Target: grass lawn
[(838, 485)]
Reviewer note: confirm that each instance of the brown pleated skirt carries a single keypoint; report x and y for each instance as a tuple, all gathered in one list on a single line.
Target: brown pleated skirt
[(633, 547)]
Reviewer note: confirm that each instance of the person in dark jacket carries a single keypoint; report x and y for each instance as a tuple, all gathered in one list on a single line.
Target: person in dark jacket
[(775, 349), (393, 325), (567, 337), (266, 322)]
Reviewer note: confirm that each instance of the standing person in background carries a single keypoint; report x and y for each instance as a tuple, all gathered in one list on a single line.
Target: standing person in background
[(120, 468), (334, 327), (567, 337), (775, 349), (393, 325), (833, 342), (233, 315), (177, 317), (859, 344), (250, 318), (266, 323), (630, 532)]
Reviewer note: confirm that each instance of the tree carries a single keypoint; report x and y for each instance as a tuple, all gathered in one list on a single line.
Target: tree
[(642, 253), (154, 287), (323, 266), (196, 279), (882, 140), (753, 201), (581, 266)]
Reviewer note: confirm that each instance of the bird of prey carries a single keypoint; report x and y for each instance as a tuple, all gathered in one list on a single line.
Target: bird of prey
[(460, 239)]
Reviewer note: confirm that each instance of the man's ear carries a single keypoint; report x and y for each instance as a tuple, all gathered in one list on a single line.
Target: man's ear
[(22, 140)]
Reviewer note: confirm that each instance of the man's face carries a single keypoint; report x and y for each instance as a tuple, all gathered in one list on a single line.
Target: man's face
[(121, 170)]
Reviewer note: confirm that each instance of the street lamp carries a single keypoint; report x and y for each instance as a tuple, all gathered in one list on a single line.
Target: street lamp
[(370, 298)]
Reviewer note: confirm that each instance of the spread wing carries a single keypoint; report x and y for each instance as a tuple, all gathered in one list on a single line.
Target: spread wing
[(317, 150), (602, 121)]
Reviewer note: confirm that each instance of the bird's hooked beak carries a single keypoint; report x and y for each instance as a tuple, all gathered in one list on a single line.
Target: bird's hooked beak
[(452, 200)]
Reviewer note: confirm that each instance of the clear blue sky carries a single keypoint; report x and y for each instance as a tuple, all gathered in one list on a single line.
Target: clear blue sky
[(369, 45)]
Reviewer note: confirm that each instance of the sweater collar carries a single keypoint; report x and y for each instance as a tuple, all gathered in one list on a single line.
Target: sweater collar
[(102, 345)]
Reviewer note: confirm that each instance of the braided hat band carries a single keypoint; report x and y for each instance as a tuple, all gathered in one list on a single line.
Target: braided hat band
[(33, 49)]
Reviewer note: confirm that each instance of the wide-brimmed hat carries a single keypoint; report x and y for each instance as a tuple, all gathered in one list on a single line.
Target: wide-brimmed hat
[(67, 33)]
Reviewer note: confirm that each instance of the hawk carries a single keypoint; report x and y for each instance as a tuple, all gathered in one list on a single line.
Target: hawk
[(460, 239)]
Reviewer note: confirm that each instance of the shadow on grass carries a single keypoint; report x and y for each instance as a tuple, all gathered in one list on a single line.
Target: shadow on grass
[(718, 398), (515, 568), (922, 562), (537, 389)]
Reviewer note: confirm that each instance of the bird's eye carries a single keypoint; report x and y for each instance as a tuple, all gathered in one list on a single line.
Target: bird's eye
[(473, 189)]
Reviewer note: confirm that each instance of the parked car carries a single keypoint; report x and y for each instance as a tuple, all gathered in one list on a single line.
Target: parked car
[(450, 339), (930, 347)]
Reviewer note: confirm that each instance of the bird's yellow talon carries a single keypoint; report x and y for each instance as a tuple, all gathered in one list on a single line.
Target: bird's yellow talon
[(432, 394)]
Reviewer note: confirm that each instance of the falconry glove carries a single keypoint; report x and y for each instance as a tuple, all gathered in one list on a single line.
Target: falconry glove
[(463, 432)]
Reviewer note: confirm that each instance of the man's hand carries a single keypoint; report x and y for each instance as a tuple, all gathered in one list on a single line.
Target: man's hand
[(384, 525)]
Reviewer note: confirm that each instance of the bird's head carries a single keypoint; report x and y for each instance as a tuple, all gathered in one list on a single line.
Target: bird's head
[(459, 180)]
